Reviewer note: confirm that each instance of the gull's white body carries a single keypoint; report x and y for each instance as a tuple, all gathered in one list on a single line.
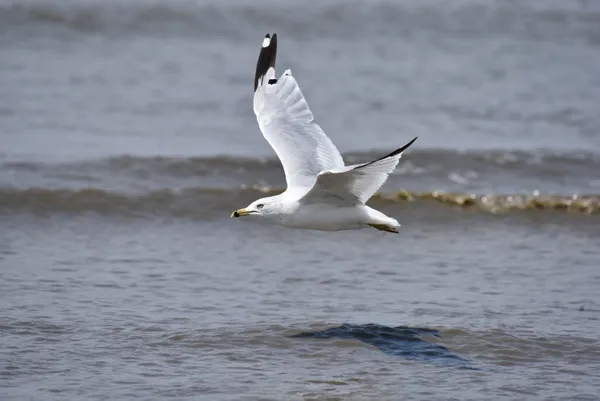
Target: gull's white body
[(322, 192), (327, 217)]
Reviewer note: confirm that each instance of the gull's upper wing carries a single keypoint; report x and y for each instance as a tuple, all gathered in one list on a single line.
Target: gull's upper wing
[(287, 123), (354, 184)]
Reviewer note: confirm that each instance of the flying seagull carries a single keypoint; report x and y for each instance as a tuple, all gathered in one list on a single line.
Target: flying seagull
[(322, 193)]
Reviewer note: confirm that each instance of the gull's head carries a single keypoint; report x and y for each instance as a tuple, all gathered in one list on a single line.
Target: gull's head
[(265, 207)]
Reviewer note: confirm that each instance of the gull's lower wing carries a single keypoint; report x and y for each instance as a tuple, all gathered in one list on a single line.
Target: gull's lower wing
[(287, 123), (354, 184)]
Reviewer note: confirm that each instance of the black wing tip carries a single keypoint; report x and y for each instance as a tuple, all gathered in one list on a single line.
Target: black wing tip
[(268, 40), (403, 148), (399, 150), (394, 153), (266, 58)]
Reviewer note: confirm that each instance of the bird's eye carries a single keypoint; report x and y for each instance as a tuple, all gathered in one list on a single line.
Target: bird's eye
[(260, 206)]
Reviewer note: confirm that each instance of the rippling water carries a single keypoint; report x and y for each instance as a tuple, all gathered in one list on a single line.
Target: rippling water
[(127, 138)]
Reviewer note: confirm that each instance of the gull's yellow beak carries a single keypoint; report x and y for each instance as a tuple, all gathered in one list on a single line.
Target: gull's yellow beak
[(240, 212)]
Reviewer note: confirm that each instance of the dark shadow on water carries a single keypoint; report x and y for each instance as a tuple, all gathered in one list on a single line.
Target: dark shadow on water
[(402, 341)]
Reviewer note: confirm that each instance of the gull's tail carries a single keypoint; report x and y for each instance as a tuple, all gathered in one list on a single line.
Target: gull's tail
[(265, 67)]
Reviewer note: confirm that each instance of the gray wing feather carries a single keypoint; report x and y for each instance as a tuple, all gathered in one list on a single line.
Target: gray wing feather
[(354, 184), (287, 123)]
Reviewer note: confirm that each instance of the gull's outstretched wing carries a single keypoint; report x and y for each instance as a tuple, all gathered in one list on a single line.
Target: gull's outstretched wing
[(287, 123), (354, 184)]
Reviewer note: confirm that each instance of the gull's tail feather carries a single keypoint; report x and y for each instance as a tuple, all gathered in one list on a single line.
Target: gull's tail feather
[(265, 66)]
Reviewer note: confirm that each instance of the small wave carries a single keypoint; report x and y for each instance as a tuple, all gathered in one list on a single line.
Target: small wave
[(420, 161), (503, 203), (208, 202), (188, 202), (145, 166)]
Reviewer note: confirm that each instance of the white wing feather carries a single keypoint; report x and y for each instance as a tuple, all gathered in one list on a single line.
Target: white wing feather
[(287, 124)]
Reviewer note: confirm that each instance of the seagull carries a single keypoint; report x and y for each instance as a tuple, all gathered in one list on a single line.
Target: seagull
[(322, 192)]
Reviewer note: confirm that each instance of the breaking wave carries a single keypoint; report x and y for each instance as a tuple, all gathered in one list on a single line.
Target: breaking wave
[(208, 202)]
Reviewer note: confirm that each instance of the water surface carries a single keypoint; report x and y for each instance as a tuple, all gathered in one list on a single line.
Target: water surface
[(127, 138)]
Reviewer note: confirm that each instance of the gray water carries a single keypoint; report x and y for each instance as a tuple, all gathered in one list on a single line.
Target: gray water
[(127, 137)]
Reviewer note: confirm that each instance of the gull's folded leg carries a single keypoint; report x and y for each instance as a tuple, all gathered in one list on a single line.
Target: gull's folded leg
[(385, 227)]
